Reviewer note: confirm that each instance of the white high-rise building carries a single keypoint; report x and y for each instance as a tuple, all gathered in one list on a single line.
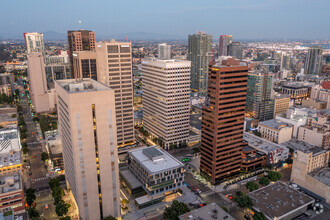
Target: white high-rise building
[(87, 124), (164, 51), (166, 99), (34, 42)]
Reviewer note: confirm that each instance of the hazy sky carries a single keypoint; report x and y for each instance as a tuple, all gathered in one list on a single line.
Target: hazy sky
[(245, 19)]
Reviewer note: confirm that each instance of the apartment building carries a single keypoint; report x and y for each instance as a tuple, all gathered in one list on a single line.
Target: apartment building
[(276, 130), (86, 111)]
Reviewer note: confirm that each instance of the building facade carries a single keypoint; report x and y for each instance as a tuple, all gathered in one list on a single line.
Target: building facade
[(80, 40), (281, 103), (34, 42), (114, 69), (199, 53), (275, 130), (86, 111), (223, 119), (235, 49), (164, 51), (258, 98), (223, 45), (313, 62), (84, 64), (38, 83), (166, 100)]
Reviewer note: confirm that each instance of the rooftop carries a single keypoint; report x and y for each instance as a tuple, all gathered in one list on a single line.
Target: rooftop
[(6, 114), (81, 85), (276, 124), (10, 183), (303, 146), (154, 159), (211, 211), (53, 140), (131, 179), (278, 200), (260, 143), (322, 175)]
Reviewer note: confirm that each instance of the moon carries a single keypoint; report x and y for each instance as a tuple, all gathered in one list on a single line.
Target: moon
[(79, 21)]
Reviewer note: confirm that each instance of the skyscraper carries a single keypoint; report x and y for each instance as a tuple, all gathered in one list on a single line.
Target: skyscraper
[(166, 99), (38, 83), (114, 69), (223, 45), (313, 62), (259, 104), (199, 49), (164, 51), (84, 64), (80, 40), (223, 119), (235, 49), (86, 115), (34, 42), (285, 60)]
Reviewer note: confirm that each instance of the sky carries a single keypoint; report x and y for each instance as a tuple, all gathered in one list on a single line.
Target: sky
[(245, 19)]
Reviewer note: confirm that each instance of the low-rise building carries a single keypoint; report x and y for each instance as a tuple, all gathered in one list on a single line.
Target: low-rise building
[(158, 171), (211, 211), (297, 90), (11, 194), (253, 159), (281, 103), (311, 172), (278, 201), (54, 145), (316, 131), (276, 130), (8, 116), (275, 152), (314, 103)]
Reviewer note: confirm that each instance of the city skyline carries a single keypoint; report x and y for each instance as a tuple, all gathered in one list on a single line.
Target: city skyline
[(172, 20)]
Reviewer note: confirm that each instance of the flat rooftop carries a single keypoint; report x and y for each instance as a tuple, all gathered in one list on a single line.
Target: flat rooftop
[(303, 146), (155, 160), (211, 211), (322, 175), (10, 183), (81, 85), (131, 179), (278, 199), (53, 140), (260, 143), (6, 114), (276, 124)]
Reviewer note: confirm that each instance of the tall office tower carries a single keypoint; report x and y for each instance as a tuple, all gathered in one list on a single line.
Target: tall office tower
[(114, 69), (259, 104), (84, 64), (229, 39), (80, 40), (34, 42), (166, 99), (38, 83), (223, 119), (164, 51), (285, 61), (313, 62), (235, 49), (86, 115), (199, 49), (223, 45)]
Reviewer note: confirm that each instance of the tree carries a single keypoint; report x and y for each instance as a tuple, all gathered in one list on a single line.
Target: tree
[(243, 201), (57, 194), (33, 213), (19, 108), (36, 119), (259, 216), (274, 176), (264, 181), (251, 186), (62, 208), (25, 149), (65, 218), (30, 196), (289, 160), (21, 121), (61, 177), (55, 182), (44, 156), (109, 218), (14, 115), (175, 210)]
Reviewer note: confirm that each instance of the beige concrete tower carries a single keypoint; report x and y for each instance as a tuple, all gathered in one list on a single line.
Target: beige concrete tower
[(166, 99), (38, 84), (86, 114), (114, 69), (84, 64)]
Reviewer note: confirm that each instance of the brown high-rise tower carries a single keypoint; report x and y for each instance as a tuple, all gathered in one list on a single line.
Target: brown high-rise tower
[(81, 40), (223, 119)]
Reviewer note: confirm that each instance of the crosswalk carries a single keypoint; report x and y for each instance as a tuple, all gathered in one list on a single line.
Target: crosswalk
[(40, 179)]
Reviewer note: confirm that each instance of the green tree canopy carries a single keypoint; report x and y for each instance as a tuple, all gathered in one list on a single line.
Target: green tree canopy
[(274, 176), (175, 210), (251, 186), (259, 216), (44, 156), (62, 208), (243, 201), (109, 218), (264, 181), (30, 196)]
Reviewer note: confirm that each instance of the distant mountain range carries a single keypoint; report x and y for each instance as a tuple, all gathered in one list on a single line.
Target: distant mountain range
[(52, 35)]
